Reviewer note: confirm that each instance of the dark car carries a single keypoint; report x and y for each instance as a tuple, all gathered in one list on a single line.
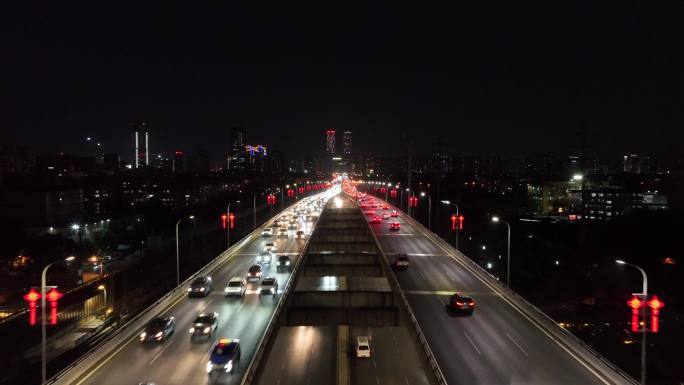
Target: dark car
[(201, 286), (254, 272), (401, 262), (225, 356), (461, 304), (284, 263), (395, 226), (158, 329), (204, 326)]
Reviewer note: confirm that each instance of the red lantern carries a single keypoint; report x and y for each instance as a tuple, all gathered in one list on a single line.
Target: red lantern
[(454, 218), (635, 303), (655, 304), (53, 296), (231, 218), (224, 219), (32, 298), (460, 222)]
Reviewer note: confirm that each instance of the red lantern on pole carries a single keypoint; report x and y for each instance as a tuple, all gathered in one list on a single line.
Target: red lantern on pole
[(224, 220), (53, 296), (32, 298), (231, 218), (460, 222), (635, 303), (454, 218), (655, 304), (308, 187)]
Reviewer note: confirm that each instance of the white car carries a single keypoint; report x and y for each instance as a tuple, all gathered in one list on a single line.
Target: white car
[(362, 347), (282, 232), (386, 216), (267, 232), (265, 257), (271, 246), (236, 286)]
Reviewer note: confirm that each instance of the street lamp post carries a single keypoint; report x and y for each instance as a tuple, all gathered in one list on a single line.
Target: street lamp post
[(508, 250), (228, 227), (644, 294), (104, 289), (429, 209), (178, 250), (43, 282), (449, 203)]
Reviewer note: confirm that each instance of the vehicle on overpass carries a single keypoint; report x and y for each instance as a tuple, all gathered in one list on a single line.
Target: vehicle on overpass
[(158, 329), (394, 214), (282, 232), (362, 347), (254, 272), (300, 235), (401, 262), (269, 285), (283, 263), (264, 257), (267, 232), (394, 226), (376, 219), (224, 357), (236, 286), (201, 286), (204, 326), (385, 216), (271, 246), (461, 304)]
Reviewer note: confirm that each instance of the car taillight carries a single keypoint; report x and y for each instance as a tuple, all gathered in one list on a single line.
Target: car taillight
[(472, 303), (459, 303)]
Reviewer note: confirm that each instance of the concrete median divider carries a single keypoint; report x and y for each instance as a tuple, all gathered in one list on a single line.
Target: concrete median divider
[(96, 357)]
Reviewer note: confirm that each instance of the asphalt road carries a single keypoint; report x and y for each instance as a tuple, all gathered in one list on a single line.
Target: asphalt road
[(497, 344), (180, 361), (302, 355)]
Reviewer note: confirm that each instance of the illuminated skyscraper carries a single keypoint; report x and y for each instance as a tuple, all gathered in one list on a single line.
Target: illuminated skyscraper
[(347, 143), (330, 141), (142, 154)]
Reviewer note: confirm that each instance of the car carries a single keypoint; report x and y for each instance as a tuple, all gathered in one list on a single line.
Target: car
[(369, 212), (394, 214), (158, 329), (385, 216), (254, 272), (385, 207), (376, 219), (363, 349), (401, 261), (204, 326), (282, 232), (236, 286), (300, 235), (225, 356), (276, 223), (267, 232), (201, 286), (269, 285), (283, 263), (461, 304), (265, 257), (271, 246), (394, 226)]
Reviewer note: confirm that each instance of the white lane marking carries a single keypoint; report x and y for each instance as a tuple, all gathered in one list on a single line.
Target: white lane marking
[(205, 306), (552, 338), (449, 292), (517, 344), (472, 343), (240, 308), (161, 351)]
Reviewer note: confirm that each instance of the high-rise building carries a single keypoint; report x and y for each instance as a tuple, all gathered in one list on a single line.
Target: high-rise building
[(257, 157), (141, 138), (330, 141), (237, 156), (347, 143), (179, 165)]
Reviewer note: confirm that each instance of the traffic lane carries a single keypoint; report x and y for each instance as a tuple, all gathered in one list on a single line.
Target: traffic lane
[(301, 355), (132, 359), (394, 358)]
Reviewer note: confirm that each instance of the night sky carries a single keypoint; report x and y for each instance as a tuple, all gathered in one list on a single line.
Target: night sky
[(504, 78)]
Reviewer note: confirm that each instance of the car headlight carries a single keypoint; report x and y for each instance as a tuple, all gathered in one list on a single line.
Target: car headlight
[(201, 289), (229, 366), (225, 290), (192, 330), (258, 290), (207, 329), (143, 335), (159, 335), (287, 263), (189, 289), (209, 367)]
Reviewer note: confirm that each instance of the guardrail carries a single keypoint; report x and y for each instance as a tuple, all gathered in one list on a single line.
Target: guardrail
[(261, 347), (123, 335), (574, 344), (437, 371)]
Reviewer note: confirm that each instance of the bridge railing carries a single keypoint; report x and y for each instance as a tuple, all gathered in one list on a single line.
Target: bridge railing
[(119, 338)]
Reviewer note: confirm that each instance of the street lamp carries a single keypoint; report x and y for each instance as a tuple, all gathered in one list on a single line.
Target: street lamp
[(423, 194), (228, 227), (508, 249), (178, 250), (449, 203), (43, 279), (644, 294), (104, 289)]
